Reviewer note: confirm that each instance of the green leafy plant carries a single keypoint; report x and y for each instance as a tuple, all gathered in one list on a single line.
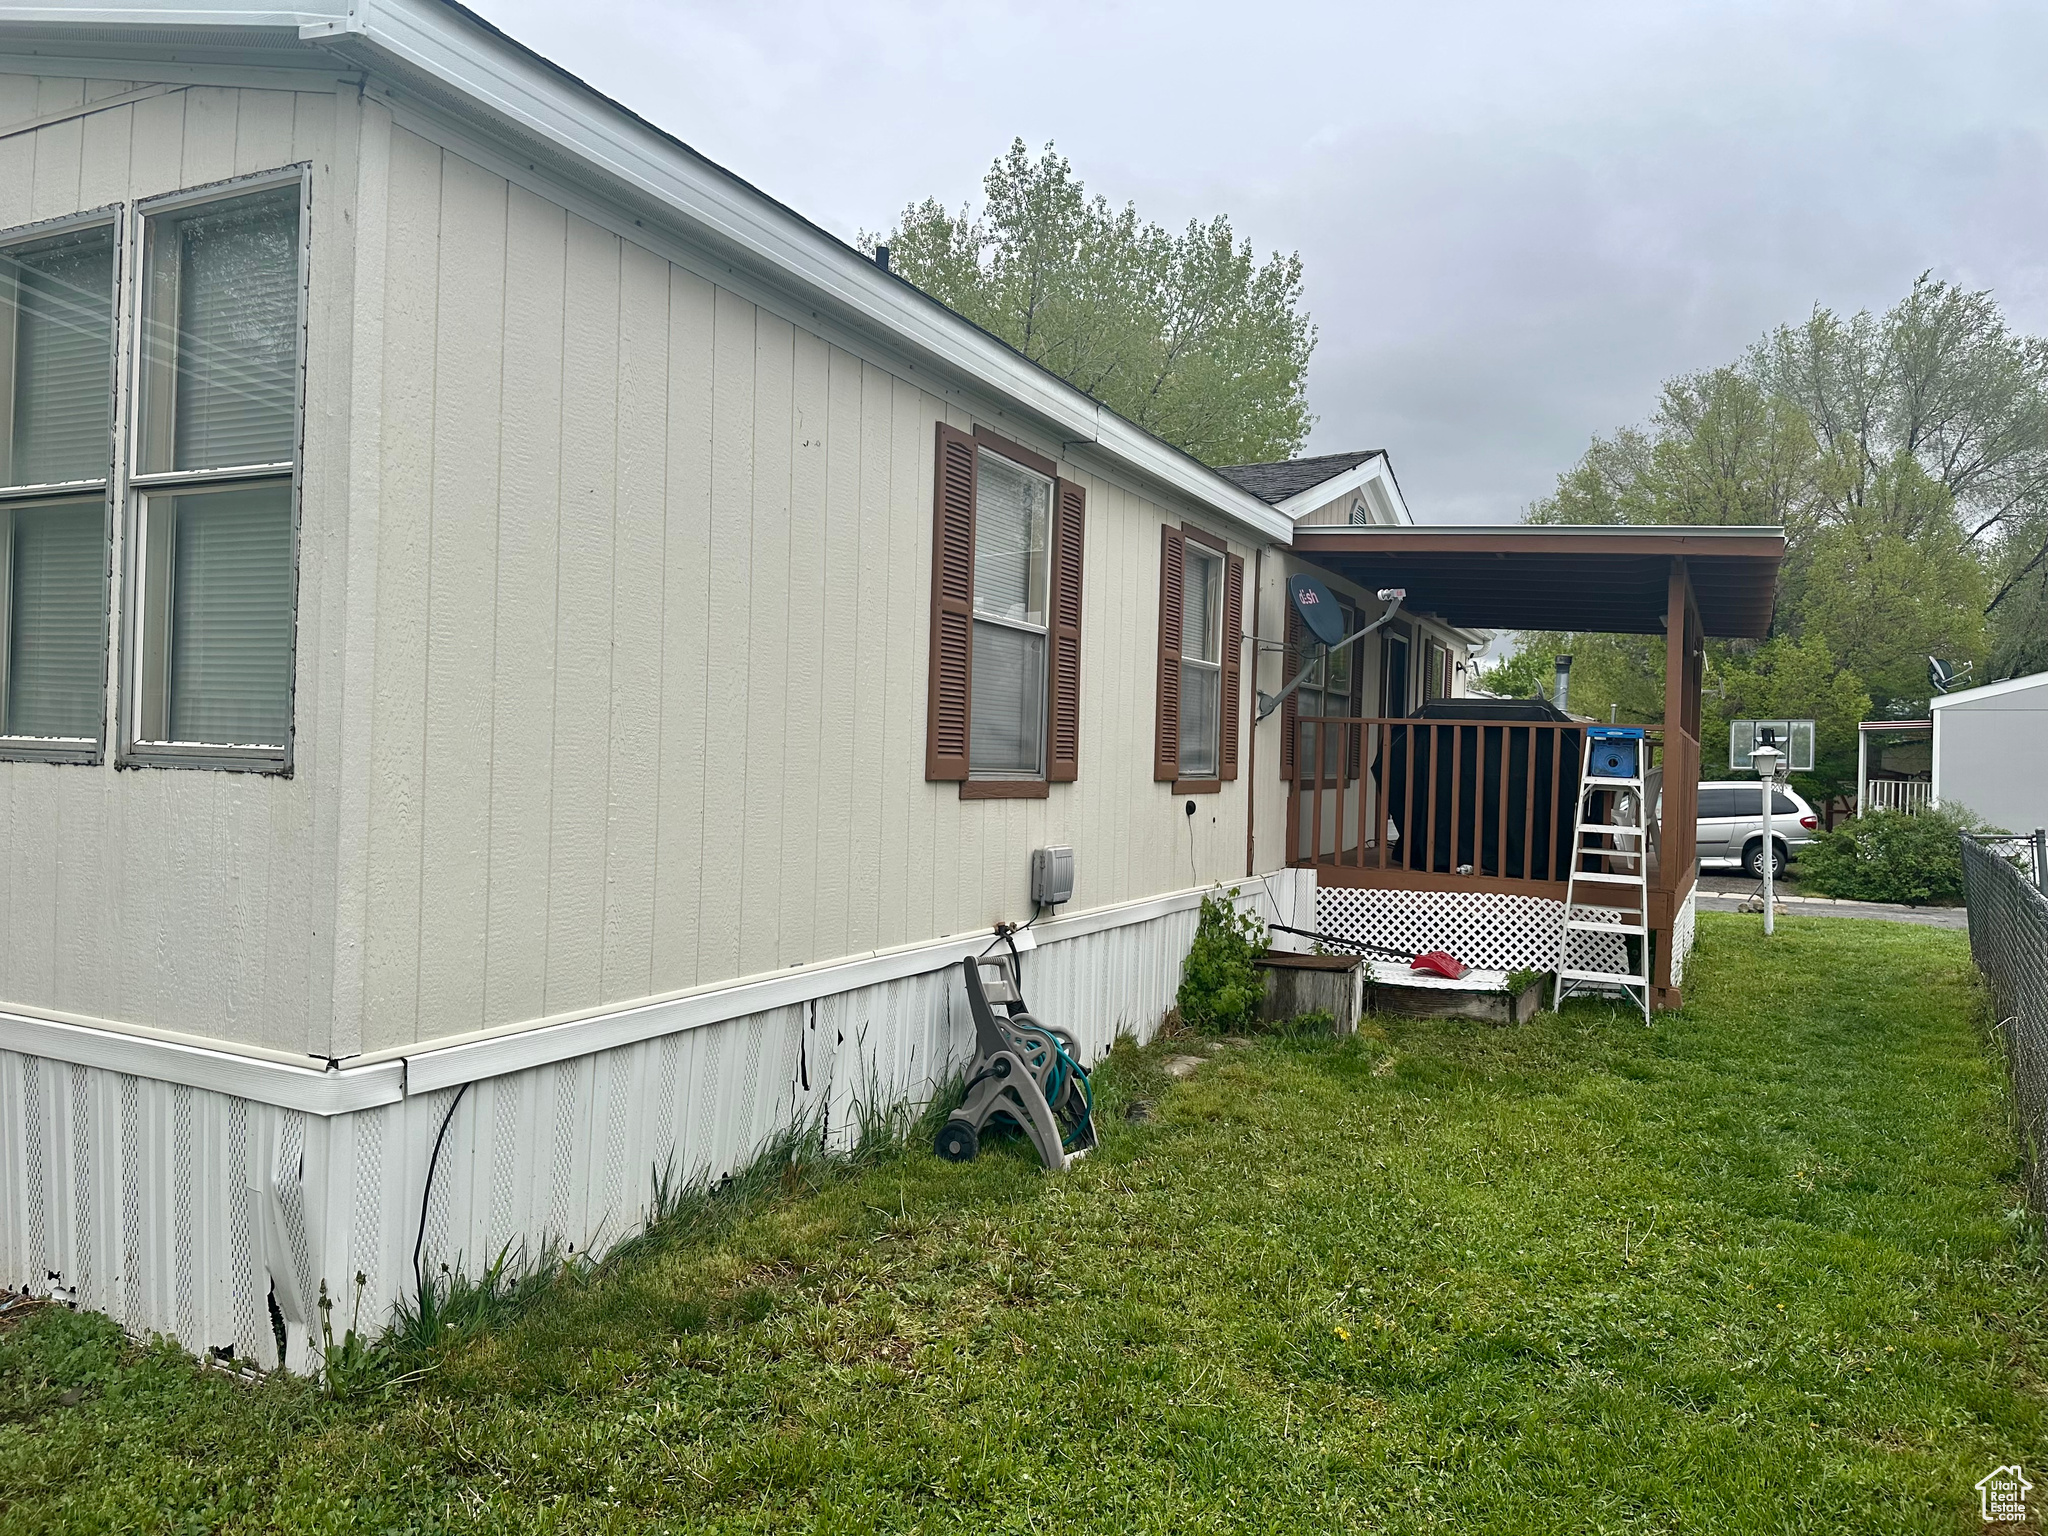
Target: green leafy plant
[(1523, 978), (1891, 856), (1219, 989)]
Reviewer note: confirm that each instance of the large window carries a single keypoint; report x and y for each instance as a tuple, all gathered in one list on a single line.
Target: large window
[(1201, 634), (216, 442), (1012, 570), (56, 446), (1329, 690), (1436, 670), (1201, 664), (1003, 711)]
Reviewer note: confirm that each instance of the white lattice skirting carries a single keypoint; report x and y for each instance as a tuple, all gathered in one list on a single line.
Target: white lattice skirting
[(1488, 931), (1683, 928), (184, 1211)]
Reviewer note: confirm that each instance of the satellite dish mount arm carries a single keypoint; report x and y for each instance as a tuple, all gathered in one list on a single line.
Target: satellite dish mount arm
[(1391, 596)]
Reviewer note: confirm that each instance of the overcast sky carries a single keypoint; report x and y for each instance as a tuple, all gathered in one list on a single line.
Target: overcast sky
[(1516, 219)]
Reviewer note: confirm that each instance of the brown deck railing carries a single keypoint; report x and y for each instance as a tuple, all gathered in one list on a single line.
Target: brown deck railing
[(1451, 804)]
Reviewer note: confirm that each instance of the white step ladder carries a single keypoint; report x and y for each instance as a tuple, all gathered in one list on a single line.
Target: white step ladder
[(1611, 764)]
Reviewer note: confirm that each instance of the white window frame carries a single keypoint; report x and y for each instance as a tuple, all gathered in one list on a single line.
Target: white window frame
[(1043, 631), (67, 749), (137, 488), (1192, 554)]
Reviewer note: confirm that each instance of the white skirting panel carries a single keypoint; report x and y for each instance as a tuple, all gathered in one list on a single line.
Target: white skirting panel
[(1486, 930), (187, 1212), (1684, 926), (157, 1203)]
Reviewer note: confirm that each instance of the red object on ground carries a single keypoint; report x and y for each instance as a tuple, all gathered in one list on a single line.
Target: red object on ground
[(1438, 963)]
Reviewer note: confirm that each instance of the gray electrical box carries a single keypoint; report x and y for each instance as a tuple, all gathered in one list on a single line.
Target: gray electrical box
[(1052, 876)]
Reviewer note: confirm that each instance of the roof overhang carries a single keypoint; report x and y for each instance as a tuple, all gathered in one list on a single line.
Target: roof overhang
[(2025, 684), (454, 58), (1600, 578)]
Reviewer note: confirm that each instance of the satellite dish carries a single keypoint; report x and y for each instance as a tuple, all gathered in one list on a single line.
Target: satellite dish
[(1943, 678), (1320, 615)]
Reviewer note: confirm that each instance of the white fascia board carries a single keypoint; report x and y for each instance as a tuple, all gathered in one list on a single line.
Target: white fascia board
[(175, 13), (388, 1077), (1992, 691), (487, 71), (334, 1091), (1377, 468), (536, 1045)]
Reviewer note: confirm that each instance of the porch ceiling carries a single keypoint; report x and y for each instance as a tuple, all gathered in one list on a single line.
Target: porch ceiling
[(1515, 576)]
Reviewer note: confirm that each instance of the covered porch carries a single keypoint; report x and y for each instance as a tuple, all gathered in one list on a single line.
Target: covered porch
[(1466, 807)]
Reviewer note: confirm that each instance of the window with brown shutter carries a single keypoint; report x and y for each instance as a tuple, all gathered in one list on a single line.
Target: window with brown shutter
[(949, 698), (1063, 686), (1201, 618), (1233, 659), (1166, 738), (1003, 706)]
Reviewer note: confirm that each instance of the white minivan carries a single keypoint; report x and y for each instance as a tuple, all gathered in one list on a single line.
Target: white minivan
[(1731, 826)]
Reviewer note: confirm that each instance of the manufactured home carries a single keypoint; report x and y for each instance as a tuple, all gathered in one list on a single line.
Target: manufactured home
[(526, 664)]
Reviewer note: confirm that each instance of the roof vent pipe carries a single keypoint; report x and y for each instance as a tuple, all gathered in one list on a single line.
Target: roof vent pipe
[(1564, 683), (882, 257)]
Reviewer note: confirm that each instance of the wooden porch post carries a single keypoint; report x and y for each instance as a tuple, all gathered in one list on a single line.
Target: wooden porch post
[(1680, 825)]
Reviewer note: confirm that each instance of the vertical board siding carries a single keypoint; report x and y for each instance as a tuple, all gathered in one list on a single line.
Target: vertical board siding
[(639, 702), (584, 534), (685, 697), (181, 900), (461, 576), (639, 575), (521, 681), (685, 635), (404, 589)]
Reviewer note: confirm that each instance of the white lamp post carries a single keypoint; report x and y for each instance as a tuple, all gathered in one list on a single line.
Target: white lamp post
[(1766, 760)]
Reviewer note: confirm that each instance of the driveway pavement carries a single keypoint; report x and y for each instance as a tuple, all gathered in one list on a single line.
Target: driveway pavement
[(1726, 893)]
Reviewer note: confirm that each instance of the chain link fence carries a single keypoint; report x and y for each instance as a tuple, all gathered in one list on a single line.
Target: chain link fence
[(2002, 880)]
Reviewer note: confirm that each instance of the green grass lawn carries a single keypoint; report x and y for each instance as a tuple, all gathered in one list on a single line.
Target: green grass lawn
[(1760, 1267)]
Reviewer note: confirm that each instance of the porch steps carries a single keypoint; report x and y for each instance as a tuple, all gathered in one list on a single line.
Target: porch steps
[(1594, 842)]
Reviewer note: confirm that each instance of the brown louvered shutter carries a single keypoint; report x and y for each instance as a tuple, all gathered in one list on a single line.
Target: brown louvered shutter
[(1063, 702), (1233, 658), (951, 690), (1290, 663), (1172, 567)]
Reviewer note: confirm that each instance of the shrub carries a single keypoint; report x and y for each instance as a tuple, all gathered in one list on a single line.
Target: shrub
[(1891, 856), (1218, 987)]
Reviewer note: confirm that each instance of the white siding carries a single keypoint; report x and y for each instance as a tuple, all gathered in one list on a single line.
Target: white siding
[(612, 645), (185, 900), (1988, 754), (665, 726)]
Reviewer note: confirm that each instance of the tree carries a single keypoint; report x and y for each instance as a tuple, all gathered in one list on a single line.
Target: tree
[(1890, 582), (1786, 679), (1906, 457), (1188, 335), (1939, 380)]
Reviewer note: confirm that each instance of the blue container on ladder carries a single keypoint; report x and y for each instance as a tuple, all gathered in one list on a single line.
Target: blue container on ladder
[(1616, 751)]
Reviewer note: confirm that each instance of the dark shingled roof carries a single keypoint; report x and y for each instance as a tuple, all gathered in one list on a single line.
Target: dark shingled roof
[(1274, 483)]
